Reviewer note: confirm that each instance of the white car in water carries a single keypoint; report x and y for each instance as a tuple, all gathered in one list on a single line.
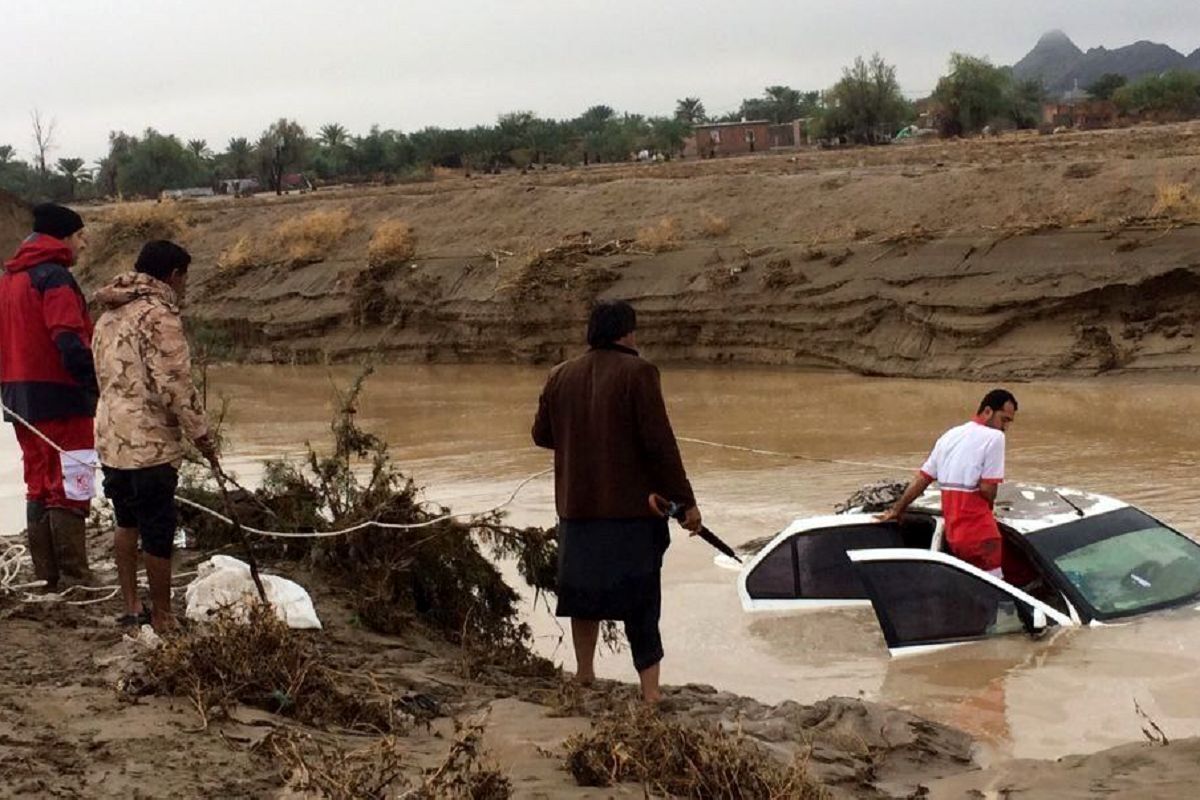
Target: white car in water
[(1073, 558)]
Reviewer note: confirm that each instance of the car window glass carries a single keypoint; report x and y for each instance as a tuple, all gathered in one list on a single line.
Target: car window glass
[(927, 602), (822, 570), (825, 569), (774, 578), (1134, 570)]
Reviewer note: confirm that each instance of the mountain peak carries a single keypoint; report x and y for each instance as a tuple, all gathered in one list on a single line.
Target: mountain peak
[(1056, 37), (1059, 64)]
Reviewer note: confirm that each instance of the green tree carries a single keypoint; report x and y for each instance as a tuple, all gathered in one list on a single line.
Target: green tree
[(690, 110), (1174, 93), (281, 147), (199, 148), (239, 157), (19, 178), (866, 105), (1025, 99), (332, 135), (596, 118), (973, 94), (1106, 85), (72, 170), (781, 104), (147, 165), (548, 139), (333, 155), (667, 135)]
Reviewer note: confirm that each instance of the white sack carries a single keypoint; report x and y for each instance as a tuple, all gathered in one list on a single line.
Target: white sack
[(226, 581)]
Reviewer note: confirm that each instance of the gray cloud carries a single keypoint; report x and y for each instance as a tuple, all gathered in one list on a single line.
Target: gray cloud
[(221, 68)]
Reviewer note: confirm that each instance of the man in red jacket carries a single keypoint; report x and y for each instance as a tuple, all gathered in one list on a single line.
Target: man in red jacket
[(47, 377)]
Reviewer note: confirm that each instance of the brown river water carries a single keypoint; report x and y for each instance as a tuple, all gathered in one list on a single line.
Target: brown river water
[(463, 433)]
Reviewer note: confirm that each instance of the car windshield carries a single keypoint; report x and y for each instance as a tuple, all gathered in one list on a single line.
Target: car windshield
[(1124, 562)]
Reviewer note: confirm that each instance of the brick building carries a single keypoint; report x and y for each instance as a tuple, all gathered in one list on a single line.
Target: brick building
[(732, 138)]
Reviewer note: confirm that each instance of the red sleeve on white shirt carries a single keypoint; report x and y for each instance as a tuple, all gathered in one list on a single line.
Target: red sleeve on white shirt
[(993, 461)]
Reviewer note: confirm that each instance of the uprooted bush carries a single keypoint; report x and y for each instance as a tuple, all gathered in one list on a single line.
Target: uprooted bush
[(674, 759), (256, 660), (378, 770), (435, 572)]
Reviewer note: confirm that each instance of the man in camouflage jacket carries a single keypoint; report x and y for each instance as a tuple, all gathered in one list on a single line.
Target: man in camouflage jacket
[(148, 406)]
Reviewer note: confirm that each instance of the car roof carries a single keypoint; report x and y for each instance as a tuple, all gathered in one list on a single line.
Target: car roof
[(1028, 508)]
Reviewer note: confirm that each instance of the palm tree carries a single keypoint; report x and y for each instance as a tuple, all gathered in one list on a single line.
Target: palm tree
[(332, 135), (73, 169), (238, 153), (199, 148), (783, 103), (690, 110)]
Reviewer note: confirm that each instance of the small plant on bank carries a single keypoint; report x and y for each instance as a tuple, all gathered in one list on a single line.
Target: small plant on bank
[(241, 255), (1174, 200), (392, 244), (128, 225), (295, 242), (660, 237), (712, 226), (308, 239)]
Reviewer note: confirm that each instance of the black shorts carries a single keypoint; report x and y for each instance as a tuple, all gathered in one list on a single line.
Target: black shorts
[(145, 499)]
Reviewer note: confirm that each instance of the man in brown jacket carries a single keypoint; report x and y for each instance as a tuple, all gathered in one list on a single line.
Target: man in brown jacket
[(148, 405), (604, 417)]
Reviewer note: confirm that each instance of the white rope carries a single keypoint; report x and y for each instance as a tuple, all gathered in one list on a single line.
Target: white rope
[(794, 456), (369, 523), (5, 564), (474, 515)]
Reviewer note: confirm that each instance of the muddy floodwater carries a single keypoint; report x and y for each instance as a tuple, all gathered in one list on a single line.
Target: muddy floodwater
[(463, 432)]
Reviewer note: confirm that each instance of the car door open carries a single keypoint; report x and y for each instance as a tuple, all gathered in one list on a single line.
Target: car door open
[(926, 600)]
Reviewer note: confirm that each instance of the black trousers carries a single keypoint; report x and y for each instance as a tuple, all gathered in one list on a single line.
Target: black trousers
[(611, 569)]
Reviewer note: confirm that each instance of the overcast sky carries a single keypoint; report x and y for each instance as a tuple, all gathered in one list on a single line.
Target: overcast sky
[(213, 69)]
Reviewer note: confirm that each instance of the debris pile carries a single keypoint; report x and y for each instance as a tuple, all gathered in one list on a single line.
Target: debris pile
[(438, 575), (674, 759), (253, 658)]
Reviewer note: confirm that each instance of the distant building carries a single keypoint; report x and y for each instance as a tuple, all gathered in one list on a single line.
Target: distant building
[(732, 138), (1081, 114), (182, 194), (240, 187), (789, 135)]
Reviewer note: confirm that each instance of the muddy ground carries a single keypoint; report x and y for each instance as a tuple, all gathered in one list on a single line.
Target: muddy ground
[(1018, 256), (68, 729)]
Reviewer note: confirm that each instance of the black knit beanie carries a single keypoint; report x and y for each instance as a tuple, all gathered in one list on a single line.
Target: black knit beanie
[(55, 220)]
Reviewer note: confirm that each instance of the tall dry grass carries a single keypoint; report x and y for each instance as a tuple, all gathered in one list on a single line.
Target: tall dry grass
[(392, 244), (659, 237), (128, 225), (310, 238), (1175, 200), (294, 242), (713, 226)]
